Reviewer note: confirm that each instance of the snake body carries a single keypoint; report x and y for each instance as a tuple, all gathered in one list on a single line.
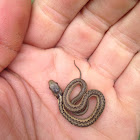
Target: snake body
[(67, 107)]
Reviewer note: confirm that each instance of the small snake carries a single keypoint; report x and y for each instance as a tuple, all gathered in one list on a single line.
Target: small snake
[(78, 105)]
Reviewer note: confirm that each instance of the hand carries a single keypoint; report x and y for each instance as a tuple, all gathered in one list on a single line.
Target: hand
[(101, 36)]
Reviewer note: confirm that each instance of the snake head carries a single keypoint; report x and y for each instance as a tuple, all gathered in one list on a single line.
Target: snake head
[(54, 87)]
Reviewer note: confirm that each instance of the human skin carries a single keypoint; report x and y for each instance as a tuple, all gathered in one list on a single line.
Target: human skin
[(102, 36)]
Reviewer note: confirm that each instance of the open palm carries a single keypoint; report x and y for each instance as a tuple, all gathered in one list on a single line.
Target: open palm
[(101, 36)]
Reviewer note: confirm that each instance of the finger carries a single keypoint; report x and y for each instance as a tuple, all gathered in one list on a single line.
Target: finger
[(86, 31), (128, 85), (49, 20), (118, 46), (13, 24)]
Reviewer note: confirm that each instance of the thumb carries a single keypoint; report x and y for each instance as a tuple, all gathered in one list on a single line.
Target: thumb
[(14, 17)]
